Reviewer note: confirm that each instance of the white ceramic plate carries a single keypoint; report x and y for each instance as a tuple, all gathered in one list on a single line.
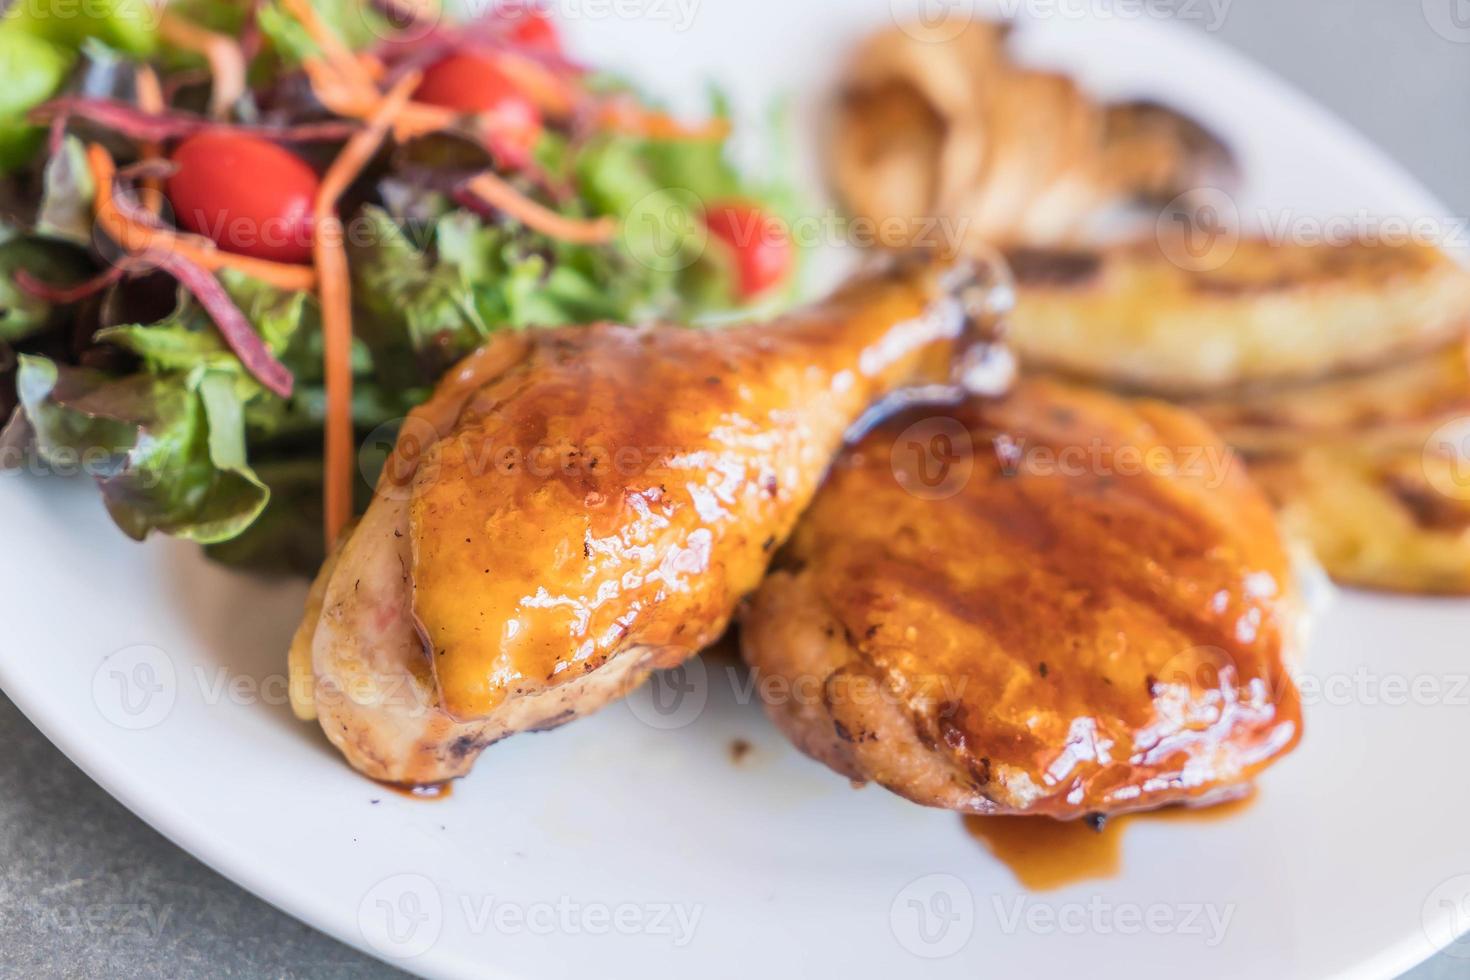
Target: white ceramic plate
[(629, 844)]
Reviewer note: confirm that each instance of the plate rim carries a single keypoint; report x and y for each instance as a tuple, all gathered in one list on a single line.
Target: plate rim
[(175, 824)]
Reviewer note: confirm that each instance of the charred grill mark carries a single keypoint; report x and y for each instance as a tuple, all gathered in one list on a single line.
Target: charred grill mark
[(1430, 509), (555, 721), (925, 736), (789, 562), (466, 746), (952, 733), (1055, 268), (1225, 286)]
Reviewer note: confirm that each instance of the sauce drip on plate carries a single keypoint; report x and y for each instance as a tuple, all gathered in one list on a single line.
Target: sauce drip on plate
[(1046, 854), (430, 792)]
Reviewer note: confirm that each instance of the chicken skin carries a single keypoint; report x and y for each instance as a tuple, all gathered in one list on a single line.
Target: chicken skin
[(577, 507), (1057, 603)]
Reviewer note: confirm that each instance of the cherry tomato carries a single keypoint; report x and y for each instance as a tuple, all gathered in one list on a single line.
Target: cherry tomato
[(535, 30), (247, 194), (471, 83), (758, 241)]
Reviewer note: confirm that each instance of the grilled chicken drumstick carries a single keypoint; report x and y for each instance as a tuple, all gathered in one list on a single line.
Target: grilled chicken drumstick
[(575, 508)]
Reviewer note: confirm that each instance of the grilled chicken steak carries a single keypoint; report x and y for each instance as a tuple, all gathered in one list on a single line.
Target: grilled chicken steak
[(1057, 603)]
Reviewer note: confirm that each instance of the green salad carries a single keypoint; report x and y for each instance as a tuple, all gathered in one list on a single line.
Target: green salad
[(226, 228)]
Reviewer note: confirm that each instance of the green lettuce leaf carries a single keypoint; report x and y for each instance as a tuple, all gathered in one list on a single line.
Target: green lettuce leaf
[(355, 21), (33, 69), (417, 315), (66, 196), (21, 314), (166, 450), (188, 338), (661, 190), (287, 536), (513, 283), (130, 26)]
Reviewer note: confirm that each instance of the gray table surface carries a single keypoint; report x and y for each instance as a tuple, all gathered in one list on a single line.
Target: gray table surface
[(80, 875)]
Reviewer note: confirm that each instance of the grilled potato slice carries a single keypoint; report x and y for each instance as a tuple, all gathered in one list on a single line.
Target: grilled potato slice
[(1394, 407), (1397, 520), (1367, 469), (1131, 316)]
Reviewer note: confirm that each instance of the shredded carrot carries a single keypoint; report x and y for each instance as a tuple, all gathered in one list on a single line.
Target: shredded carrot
[(335, 292), (225, 56), (420, 120), (372, 65), (500, 195), (138, 238), (336, 93), (333, 90), (626, 117), (345, 99), (551, 93), (150, 100), (353, 99), (337, 54)]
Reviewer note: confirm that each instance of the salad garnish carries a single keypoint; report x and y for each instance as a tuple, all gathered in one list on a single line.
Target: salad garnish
[(330, 257), (239, 242)]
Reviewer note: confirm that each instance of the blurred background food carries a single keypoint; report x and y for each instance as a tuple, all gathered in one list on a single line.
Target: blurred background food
[(1133, 316), (929, 126), (1337, 368), (1367, 467)]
